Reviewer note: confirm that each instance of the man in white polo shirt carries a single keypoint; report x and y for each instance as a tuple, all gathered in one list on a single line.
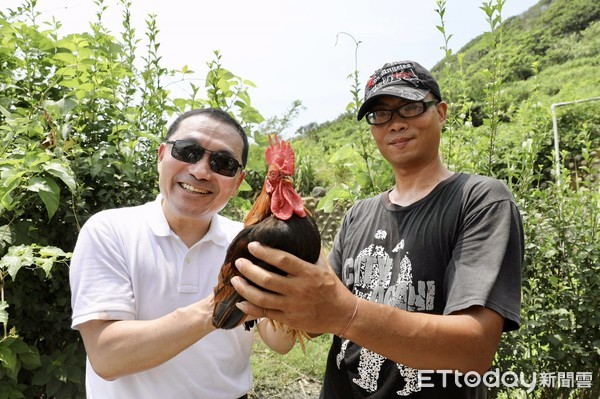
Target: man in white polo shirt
[(142, 277)]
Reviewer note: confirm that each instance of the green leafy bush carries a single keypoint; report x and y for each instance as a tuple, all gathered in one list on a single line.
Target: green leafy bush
[(80, 123)]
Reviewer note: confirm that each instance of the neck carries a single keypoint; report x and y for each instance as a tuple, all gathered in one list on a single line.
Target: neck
[(191, 234), (414, 184), (189, 230)]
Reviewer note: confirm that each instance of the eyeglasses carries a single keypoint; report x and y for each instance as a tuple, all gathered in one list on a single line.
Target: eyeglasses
[(189, 151), (407, 111)]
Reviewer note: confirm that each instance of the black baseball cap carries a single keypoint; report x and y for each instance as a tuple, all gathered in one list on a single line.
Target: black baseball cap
[(405, 79)]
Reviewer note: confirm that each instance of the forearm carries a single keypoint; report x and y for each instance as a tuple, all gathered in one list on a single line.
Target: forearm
[(463, 342), (119, 348)]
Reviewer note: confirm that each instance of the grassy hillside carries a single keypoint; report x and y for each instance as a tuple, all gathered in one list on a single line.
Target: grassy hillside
[(548, 54)]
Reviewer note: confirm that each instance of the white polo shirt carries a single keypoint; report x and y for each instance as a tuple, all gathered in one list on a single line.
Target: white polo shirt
[(129, 265)]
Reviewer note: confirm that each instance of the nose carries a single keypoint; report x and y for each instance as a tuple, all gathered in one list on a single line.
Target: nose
[(201, 169), (397, 122)]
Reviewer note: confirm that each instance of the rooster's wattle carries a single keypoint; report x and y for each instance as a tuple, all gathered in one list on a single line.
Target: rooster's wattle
[(277, 219)]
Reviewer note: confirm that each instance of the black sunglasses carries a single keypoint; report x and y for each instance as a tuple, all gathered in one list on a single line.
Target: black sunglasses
[(189, 151), (407, 111)]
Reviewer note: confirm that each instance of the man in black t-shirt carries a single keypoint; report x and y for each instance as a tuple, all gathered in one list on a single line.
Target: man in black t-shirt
[(424, 278)]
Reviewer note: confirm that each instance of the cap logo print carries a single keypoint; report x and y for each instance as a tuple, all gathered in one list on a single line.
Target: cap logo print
[(389, 76)]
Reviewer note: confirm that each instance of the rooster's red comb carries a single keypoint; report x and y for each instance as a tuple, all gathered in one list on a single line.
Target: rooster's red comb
[(281, 153)]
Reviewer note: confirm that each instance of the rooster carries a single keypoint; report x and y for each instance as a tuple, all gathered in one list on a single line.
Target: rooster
[(277, 219)]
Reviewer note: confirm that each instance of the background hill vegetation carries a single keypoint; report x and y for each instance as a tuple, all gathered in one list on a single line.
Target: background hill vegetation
[(80, 124)]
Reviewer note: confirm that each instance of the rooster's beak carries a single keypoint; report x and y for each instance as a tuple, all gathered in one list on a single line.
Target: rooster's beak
[(287, 178)]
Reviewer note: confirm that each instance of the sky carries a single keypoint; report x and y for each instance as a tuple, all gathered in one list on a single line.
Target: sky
[(290, 49)]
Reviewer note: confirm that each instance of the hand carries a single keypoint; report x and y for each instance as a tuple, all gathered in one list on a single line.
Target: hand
[(310, 298)]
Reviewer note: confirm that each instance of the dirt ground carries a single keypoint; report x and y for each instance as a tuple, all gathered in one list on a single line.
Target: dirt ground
[(300, 389)]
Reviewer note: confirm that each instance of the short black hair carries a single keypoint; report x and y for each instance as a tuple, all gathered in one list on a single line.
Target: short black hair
[(216, 114)]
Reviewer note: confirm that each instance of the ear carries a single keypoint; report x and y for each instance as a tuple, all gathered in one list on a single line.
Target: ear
[(161, 154), (240, 179), (442, 109)]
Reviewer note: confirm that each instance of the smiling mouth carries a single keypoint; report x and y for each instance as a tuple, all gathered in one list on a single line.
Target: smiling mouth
[(400, 142), (192, 189)]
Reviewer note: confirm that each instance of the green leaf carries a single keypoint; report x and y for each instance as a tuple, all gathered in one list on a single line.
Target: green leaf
[(4, 112), (335, 194), (3, 312), (53, 252), (67, 58), (11, 179), (12, 264), (15, 344), (35, 158), (29, 356), (45, 264), (8, 358), (62, 106), (87, 86), (363, 179), (180, 103), (67, 45), (48, 191), (53, 387), (63, 172), (41, 377), (30, 360), (346, 152), (71, 83), (6, 236), (556, 339), (245, 186), (550, 253), (67, 71)]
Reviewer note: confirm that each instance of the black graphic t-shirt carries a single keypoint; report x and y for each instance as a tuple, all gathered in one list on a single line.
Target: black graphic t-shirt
[(460, 246)]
